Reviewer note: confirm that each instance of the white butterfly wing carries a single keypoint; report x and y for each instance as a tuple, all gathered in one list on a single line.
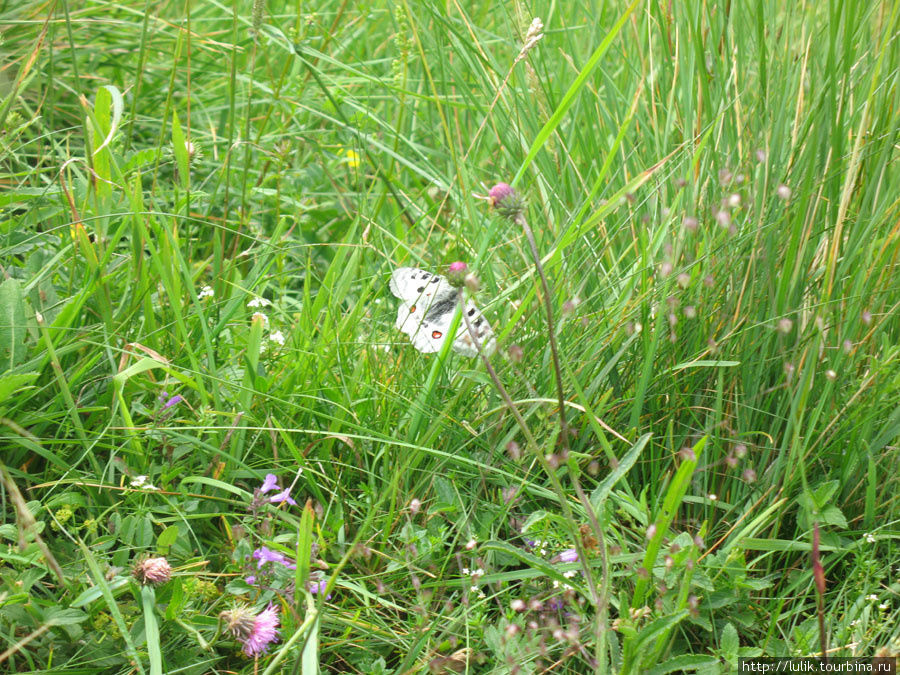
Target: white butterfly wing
[(464, 344), (427, 305)]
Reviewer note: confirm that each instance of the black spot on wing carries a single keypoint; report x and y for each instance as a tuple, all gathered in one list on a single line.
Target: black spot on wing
[(443, 303)]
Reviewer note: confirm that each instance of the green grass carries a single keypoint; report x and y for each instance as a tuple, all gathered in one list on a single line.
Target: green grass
[(713, 192)]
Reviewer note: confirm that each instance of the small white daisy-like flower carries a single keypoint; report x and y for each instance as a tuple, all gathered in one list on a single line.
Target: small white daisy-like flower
[(555, 583), (854, 623), (261, 317), (870, 538), (713, 496), (277, 337), (883, 606), (258, 302), (138, 481), (478, 573), (206, 292), (872, 597), (570, 574), (466, 572)]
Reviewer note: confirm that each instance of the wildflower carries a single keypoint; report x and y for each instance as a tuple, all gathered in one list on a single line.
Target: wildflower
[(883, 606), (785, 325), (255, 632), (206, 292), (153, 571), (471, 544), (517, 605), (269, 483), (266, 555), (141, 482), (316, 587), (283, 496), (414, 506), (651, 531), (258, 302), (831, 375), (175, 400), (713, 496), (513, 449), (456, 275), (872, 597), (568, 556), (870, 538), (277, 337), (783, 192), (352, 158), (506, 200), (259, 316)]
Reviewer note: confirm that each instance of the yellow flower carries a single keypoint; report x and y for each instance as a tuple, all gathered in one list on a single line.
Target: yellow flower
[(352, 158)]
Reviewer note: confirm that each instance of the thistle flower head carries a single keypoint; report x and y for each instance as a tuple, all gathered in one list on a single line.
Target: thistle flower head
[(255, 631), (239, 621), (153, 571), (456, 275), (506, 200)]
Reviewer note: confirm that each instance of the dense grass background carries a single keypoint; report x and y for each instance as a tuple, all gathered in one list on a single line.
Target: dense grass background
[(713, 189)]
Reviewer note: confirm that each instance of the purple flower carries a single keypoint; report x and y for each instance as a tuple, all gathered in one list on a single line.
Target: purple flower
[(270, 483), (283, 496), (251, 579), (568, 556), (317, 585), (265, 555), (555, 604), (263, 633), (175, 400)]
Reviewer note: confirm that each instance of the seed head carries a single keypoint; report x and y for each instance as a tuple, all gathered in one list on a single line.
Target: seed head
[(783, 192)]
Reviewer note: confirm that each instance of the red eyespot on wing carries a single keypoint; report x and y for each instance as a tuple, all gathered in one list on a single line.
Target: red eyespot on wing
[(412, 310), (436, 334)]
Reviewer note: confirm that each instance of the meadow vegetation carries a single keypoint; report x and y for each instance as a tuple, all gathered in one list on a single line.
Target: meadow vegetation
[(217, 453)]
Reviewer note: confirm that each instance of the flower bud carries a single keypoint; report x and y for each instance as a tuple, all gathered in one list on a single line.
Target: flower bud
[(456, 275), (506, 200)]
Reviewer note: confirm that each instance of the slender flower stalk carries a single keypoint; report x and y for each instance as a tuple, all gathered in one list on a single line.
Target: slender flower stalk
[(508, 202), (598, 598), (819, 579)]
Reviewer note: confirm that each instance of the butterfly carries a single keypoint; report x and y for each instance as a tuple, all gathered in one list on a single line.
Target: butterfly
[(427, 305)]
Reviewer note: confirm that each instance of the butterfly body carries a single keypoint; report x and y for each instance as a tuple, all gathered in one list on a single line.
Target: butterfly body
[(427, 306)]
